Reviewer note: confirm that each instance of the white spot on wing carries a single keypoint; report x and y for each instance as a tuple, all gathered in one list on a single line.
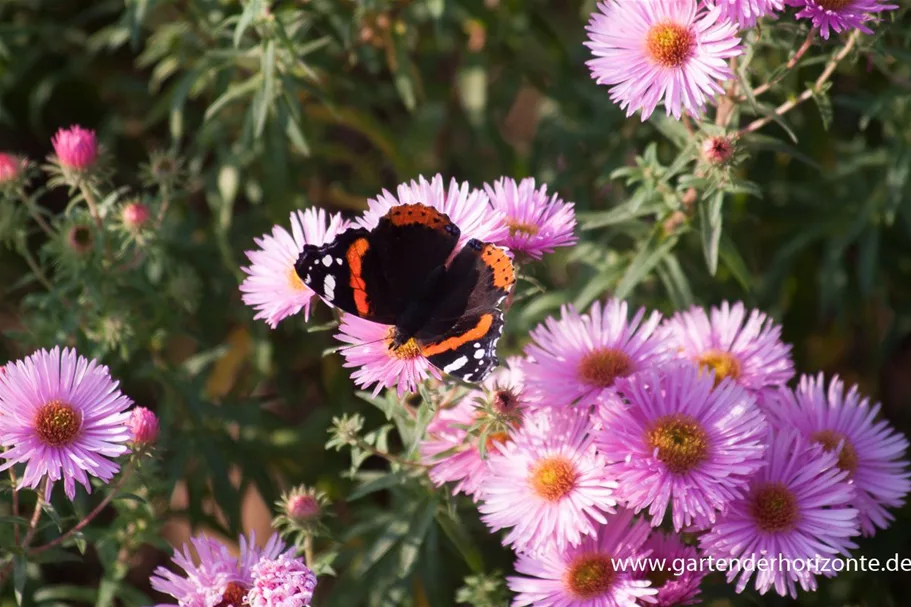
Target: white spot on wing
[(479, 354), (307, 279), (329, 287), (327, 260), (456, 364), (338, 260)]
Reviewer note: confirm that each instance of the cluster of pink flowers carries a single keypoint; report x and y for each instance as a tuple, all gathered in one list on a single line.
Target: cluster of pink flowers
[(677, 51), (268, 576), (613, 424), (65, 418), (520, 216)]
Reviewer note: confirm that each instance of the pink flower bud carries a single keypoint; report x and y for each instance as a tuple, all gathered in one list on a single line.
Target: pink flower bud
[(10, 167), (717, 150), (76, 147), (144, 425), (302, 507), (135, 215)]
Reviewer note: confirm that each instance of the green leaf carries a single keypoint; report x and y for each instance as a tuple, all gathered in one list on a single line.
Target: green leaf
[(20, 576), (107, 591), (380, 483), (619, 214), (460, 537), (710, 227), (234, 92), (65, 592), (130, 497), (650, 254), (868, 255), (411, 543), (251, 11), (735, 263), (676, 282), (268, 90), (824, 103)]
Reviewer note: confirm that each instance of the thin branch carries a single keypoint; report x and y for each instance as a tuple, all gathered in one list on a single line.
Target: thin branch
[(35, 267), (12, 476), (792, 63)]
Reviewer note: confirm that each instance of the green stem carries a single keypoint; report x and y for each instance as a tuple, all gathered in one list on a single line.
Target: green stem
[(35, 267)]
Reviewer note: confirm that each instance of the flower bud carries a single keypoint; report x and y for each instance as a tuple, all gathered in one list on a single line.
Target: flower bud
[(144, 425), (76, 147), (135, 215), (80, 239), (717, 150), (11, 168)]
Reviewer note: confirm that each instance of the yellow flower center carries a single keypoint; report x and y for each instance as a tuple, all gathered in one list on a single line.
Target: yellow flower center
[(589, 576), (724, 364), (774, 508), (670, 44), (294, 281), (681, 442), (833, 5), (521, 228), (57, 423), (408, 350), (233, 596), (602, 367), (830, 439), (553, 477)]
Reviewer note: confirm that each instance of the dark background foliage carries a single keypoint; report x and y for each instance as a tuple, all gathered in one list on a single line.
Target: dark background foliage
[(326, 102)]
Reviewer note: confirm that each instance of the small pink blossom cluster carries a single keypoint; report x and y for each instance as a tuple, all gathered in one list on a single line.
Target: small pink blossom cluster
[(64, 417), (268, 576), (614, 424), (678, 51), (521, 216)]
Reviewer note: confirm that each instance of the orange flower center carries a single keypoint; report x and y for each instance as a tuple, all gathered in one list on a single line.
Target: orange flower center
[(521, 228), (774, 508), (233, 596), (681, 442), (833, 5), (294, 281), (670, 44), (589, 576), (603, 366), (724, 364), (553, 478), (830, 439), (57, 423), (408, 350)]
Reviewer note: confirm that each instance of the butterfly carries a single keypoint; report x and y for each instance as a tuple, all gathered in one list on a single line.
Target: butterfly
[(403, 273)]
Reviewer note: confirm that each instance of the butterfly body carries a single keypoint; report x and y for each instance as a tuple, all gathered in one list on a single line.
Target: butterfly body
[(406, 273)]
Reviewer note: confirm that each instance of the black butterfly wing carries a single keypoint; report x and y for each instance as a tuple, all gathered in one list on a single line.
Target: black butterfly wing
[(461, 338)]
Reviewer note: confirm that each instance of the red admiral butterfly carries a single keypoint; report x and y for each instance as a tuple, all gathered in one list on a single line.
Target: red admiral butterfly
[(400, 274)]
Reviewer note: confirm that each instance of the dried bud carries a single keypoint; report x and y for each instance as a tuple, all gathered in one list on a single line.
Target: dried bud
[(76, 147), (673, 222), (135, 215), (717, 150), (79, 238), (11, 168), (144, 426)]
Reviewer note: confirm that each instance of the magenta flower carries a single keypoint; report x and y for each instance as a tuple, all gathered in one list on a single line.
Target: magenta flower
[(673, 589), (11, 167), (143, 425), (586, 575), (537, 223), (272, 286), (76, 147), (284, 581), (748, 350), (468, 209), (548, 483), (870, 451), (746, 12), (63, 416), (656, 50), (577, 359), (375, 363), (682, 444), (840, 15), (797, 508), (217, 578)]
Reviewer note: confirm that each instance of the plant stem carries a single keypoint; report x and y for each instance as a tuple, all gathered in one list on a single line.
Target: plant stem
[(165, 201), (308, 550), (12, 477), (792, 63), (89, 517), (807, 94), (36, 269), (36, 215), (90, 201), (32, 528)]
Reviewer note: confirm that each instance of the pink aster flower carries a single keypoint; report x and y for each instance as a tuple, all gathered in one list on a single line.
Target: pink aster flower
[(577, 359), (656, 50), (272, 286), (870, 451), (749, 350), (548, 483), (585, 575), (840, 15), (375, 363), (537, 222), (452, 449), (143, 425), (467, 208), (63, 416), (10, 168), (746, 12), (682, 444), (284, 581), (678, 586), (797, 507), (76, 147), (216, 577)]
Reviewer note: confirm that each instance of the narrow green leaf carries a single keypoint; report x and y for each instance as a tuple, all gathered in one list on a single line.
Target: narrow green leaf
[(460, 537), (20, 576), (234, 92), (710, 227), (651, 253), (251, 11), (411, 543), (676, 282), (268, 90), (734, 262)]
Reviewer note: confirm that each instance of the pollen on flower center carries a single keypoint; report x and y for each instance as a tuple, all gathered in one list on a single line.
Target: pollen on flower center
[(553, 477), (589, 576), (233, 596), (408, 350), (670, 44), (602, 367), (724, 364), (834, 5), (681, 442), (830, 439), (774, 508), (294, 281), (57, 423), (522, 228)]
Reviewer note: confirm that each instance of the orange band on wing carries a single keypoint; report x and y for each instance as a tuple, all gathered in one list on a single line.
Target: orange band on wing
[(451, 343), (407, 214), (355, 256), (496, 259)]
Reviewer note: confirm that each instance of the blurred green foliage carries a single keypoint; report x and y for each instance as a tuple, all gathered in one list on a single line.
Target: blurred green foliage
[(223, 116)]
